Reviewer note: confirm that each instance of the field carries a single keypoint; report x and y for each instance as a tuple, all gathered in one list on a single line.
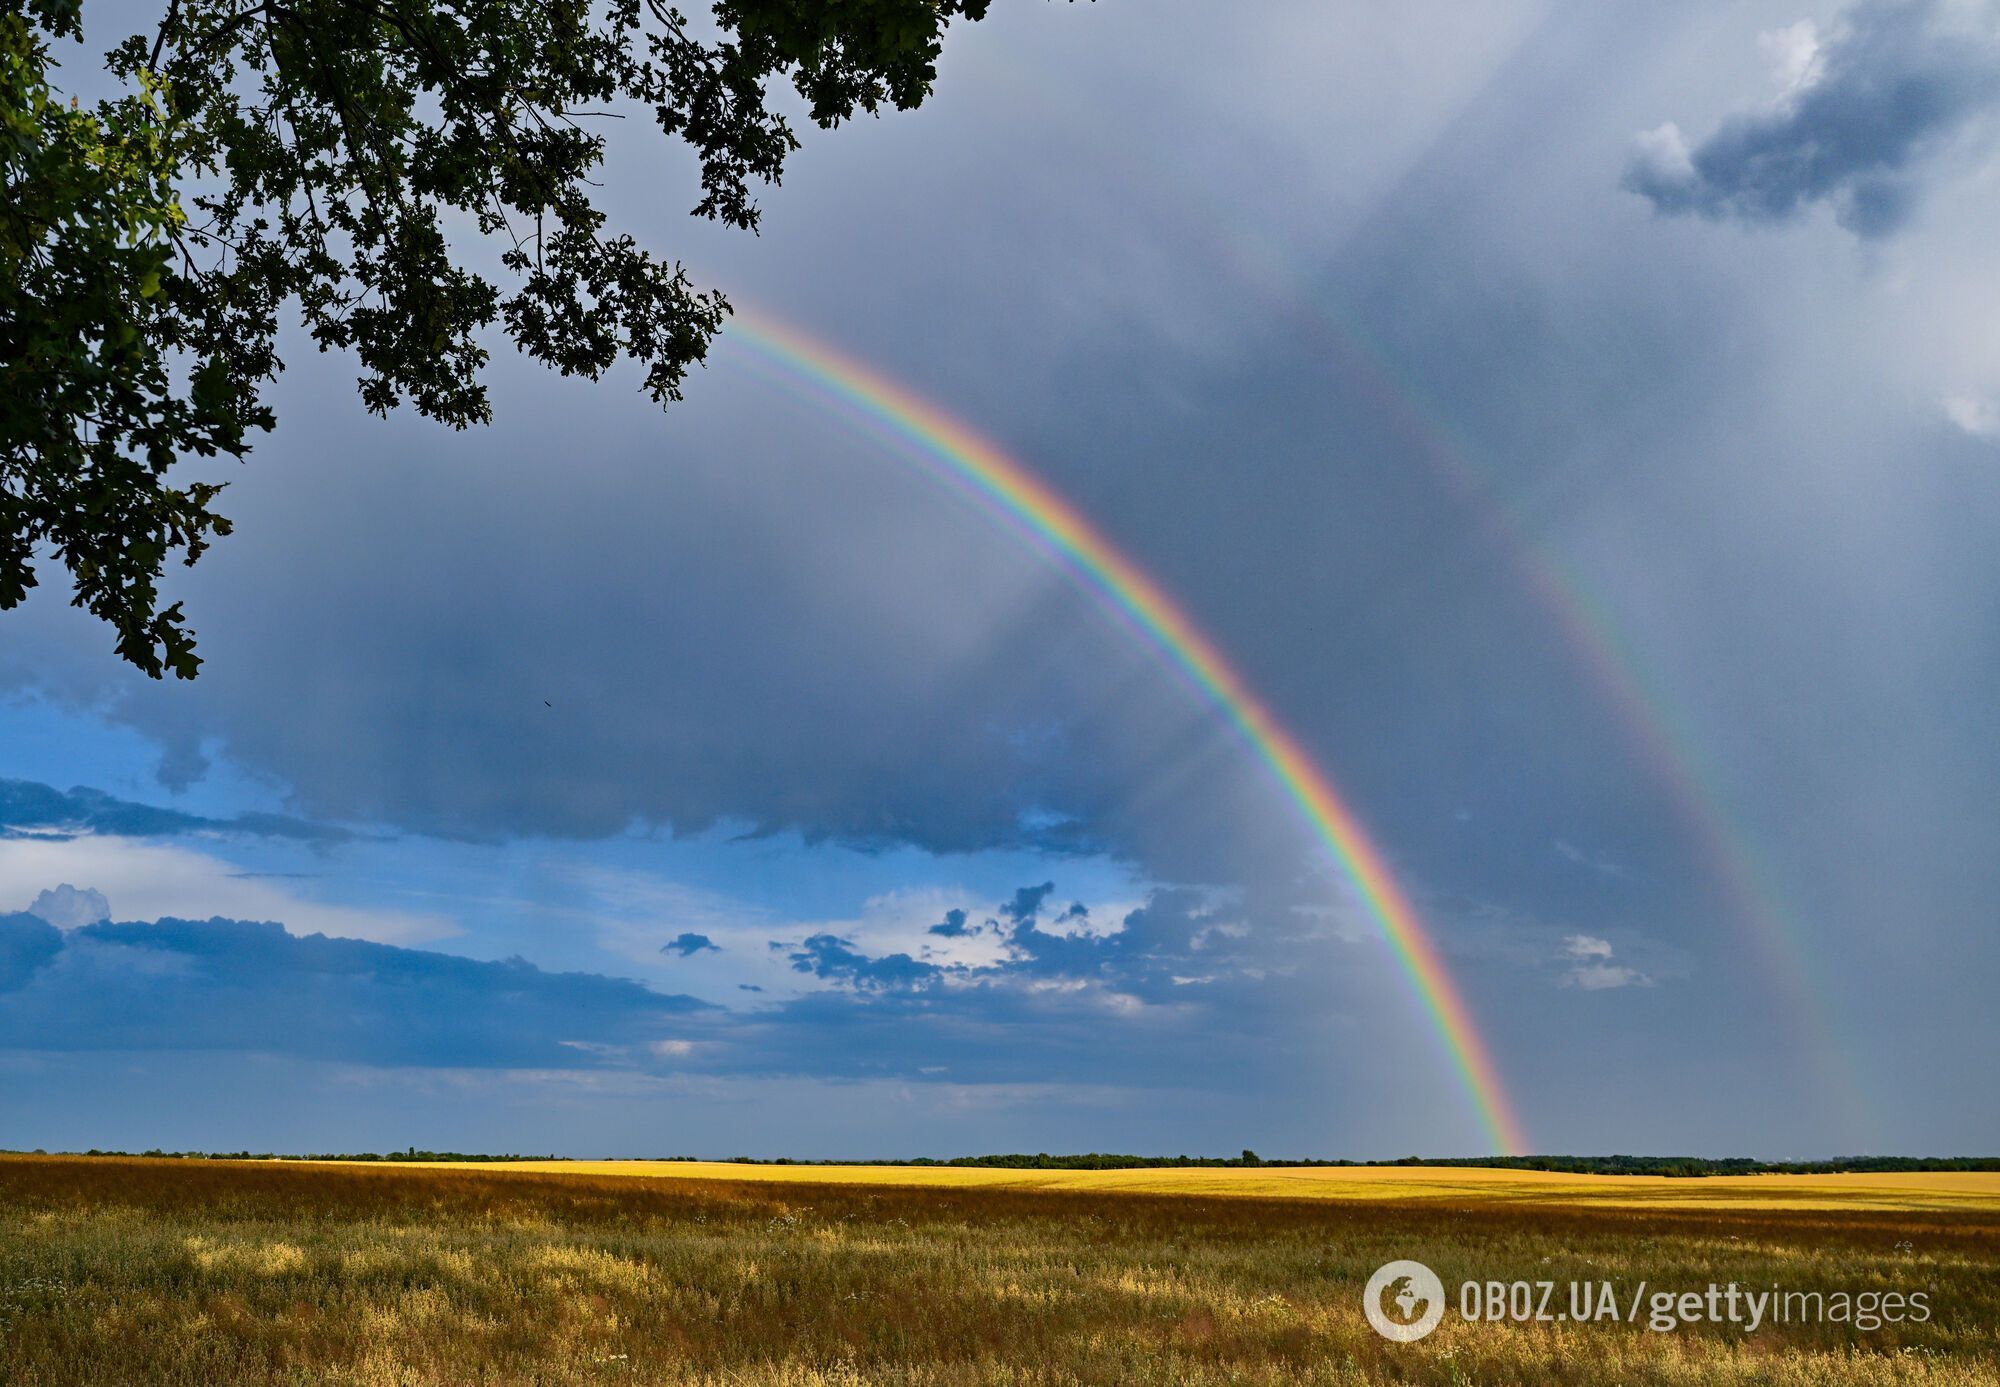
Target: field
[(1973, 1190), (122, 1271)]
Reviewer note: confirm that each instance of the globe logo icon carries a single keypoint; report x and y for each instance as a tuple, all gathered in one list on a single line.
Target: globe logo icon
[(1406, 1298), (1403, 1301)]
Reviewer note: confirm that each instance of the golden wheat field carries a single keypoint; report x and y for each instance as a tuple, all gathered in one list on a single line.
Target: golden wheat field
[(1867, 1190), (120, 1270)]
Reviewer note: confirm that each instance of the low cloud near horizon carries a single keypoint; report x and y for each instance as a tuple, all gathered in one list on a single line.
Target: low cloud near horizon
[(236, 985)]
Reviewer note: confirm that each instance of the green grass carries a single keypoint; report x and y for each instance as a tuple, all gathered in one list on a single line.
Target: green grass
[(133, 1271)]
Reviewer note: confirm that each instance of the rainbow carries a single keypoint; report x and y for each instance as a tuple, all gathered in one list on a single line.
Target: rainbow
[(1008, 489)]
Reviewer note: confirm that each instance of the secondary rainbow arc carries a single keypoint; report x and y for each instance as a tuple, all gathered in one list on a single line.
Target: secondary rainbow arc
[(1009, 489), (1292, 287), (1636, 697)]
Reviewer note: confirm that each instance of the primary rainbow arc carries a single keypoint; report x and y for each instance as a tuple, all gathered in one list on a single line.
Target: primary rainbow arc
[(1010, 489)]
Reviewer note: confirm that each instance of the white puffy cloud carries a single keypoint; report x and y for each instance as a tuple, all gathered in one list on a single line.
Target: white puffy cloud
[(1591, 967), (1593, 977), (67, 906)]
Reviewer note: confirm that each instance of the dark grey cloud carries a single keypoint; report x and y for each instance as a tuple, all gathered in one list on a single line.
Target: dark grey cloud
[(28, 943), (1167, 937), (43, 809), (715, 653), (237, 985), (689, 944), (1152, 947), (1026, 903), (1892, 85), (827, 956), (953, 926)]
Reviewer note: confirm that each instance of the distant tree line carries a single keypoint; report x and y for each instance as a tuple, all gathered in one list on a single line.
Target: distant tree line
[(1682, 1166)]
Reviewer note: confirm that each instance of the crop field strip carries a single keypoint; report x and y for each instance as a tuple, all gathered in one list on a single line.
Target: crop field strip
[(1919, 1190), (203, 1272)]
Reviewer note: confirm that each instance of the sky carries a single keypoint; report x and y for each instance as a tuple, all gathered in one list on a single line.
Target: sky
[(1576, 424)]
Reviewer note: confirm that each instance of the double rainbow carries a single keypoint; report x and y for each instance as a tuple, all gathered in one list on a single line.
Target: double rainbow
[(1008, 489)]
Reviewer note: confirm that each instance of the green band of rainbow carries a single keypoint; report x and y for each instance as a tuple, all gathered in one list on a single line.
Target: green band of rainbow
[(1011, 489)]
